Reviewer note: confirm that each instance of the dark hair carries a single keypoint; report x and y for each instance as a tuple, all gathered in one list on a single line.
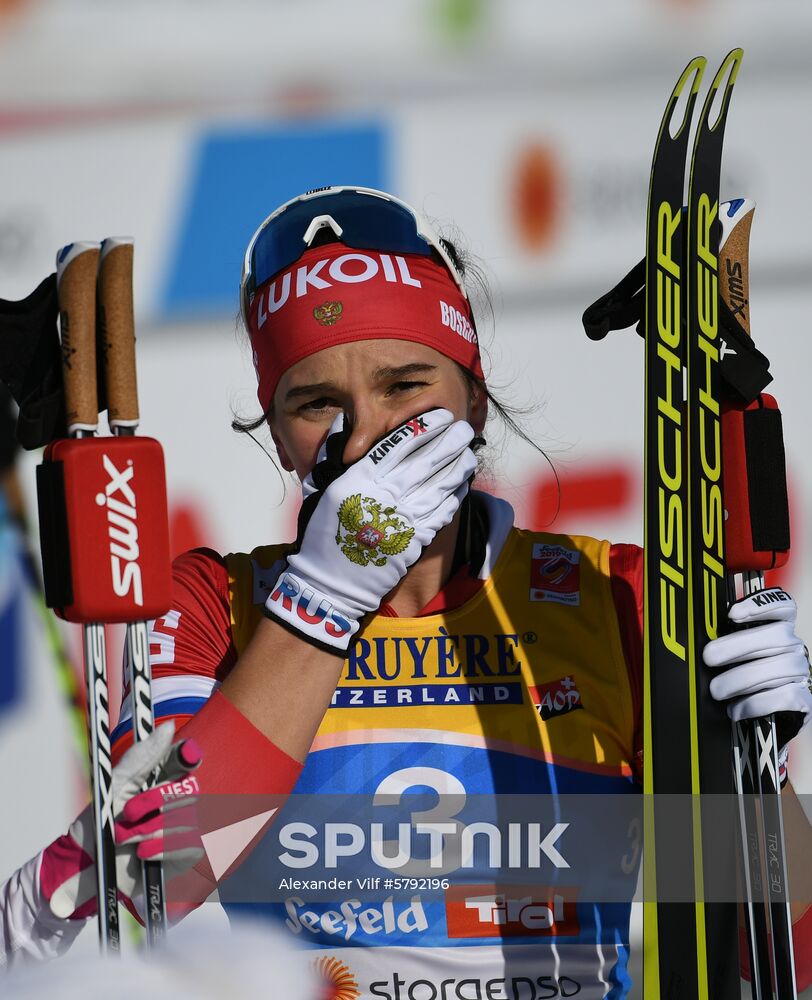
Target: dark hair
[(509, 413)]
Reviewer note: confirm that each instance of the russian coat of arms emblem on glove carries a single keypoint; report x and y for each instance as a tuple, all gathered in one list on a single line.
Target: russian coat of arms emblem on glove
[(372, 532)]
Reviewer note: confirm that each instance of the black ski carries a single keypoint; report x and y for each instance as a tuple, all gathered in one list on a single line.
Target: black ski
[(711, 773), (670, 966), (687, 735)]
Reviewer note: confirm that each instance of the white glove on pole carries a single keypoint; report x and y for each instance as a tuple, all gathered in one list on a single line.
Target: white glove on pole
[(159, 824), (765, 667), (362, 526), (46, 902)]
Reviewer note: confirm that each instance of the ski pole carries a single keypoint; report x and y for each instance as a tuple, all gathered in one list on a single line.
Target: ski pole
[(104, 531), (117, 335), (733, 248), (77, 266), (755, 747), (760, 734), (751, 853)]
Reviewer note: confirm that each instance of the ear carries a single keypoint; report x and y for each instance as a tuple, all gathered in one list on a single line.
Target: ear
[(284, 460), (479, 408)]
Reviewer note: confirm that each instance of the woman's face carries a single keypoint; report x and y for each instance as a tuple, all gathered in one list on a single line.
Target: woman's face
[(377, 384)]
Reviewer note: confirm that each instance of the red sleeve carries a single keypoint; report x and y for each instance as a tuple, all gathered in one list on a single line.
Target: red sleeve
[(244, 778), (198, 626), (626, 577), (244, 781), (191, 648)]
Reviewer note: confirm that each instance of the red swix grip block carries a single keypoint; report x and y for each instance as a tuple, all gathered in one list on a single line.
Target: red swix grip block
[(755, 486), (104, 529)]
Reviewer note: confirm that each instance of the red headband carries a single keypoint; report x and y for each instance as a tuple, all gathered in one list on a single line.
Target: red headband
[(334, 295)]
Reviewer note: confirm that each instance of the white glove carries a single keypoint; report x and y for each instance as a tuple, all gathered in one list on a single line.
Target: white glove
[(158, 824), (362, 526), (767, 667)]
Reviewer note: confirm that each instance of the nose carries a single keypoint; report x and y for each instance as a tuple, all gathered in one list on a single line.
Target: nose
[(368, 424)]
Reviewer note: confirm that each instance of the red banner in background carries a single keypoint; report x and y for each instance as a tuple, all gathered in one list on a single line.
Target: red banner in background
[(609, 488)]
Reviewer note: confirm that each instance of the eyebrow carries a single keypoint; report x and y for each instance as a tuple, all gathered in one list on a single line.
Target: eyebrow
[(308, 390), (379, 375), (417, 368)]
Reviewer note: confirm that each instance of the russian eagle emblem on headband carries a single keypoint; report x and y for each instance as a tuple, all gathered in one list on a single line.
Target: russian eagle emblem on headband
[(366, 524), (328, 313)]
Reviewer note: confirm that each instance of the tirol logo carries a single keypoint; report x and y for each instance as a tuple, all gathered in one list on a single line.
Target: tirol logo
[(328, 313), (555, 574), (415, 427), (478, 911), (556, 698), (372, 533), (338, 982), (348, 269), (122, 529)]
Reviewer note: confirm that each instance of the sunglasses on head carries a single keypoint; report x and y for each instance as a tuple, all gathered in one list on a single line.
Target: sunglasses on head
[(361, 218)]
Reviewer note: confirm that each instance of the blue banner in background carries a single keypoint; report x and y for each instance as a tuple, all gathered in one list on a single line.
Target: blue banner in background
[(237, 178), (10, 652), (12, 593)]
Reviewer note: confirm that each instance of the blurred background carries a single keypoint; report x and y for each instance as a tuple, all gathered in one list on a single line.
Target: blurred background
[(525, 130)]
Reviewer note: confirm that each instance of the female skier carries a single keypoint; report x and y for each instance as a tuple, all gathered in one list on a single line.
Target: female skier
[(412, 640)]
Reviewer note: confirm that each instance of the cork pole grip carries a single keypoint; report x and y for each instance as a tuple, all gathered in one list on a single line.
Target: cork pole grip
[(77, 265), (117, 328), (734, 270)]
